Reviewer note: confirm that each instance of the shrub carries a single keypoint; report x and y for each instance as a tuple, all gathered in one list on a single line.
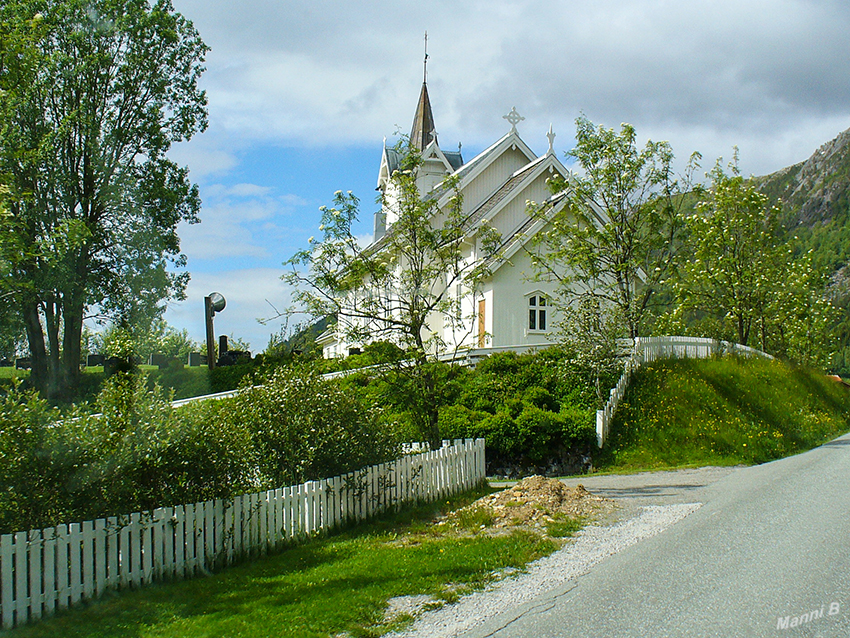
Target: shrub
[(29, 464), (304, 428), (211, 457), (578, 426), (538, 433), (540, 398), (126, 448), (459, 422), (502, 435)]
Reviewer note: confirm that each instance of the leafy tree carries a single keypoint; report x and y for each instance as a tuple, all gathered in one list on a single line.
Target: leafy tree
[(95, 202), (157, 338), (734, 259), (590, 330), (737, 268), (399, 286), (612, 244), (19, 60)]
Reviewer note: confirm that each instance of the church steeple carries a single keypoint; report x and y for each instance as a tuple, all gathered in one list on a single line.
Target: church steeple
[(423, 130)]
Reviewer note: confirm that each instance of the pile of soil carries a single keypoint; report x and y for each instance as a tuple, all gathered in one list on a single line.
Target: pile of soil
[(535, 500)]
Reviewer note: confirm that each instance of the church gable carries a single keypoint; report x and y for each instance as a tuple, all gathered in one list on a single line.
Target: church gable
[(507, 210), (492, 176)]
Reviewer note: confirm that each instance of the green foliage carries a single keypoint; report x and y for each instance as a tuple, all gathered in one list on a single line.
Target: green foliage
[(592, 331), (613, 240), (538, 431), (29, 471), (376, 353), (223, 378), (75, 466), (723, 412), (737, 270), (94, 200), (527, 407), (305, 428), (137, 452), (145, 338), (213, 457)]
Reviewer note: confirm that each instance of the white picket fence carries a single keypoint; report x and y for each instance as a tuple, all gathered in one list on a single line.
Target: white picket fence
[(648, 349), (45, 570)]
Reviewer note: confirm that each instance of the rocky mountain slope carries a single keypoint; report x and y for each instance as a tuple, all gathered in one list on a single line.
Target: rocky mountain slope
[(817, 189)]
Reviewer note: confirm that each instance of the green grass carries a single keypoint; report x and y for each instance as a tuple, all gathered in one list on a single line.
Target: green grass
[(690, 413), (321, 588), (564, 526)]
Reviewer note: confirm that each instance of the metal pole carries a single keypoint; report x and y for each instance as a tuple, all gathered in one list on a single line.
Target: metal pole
[(208, 312)]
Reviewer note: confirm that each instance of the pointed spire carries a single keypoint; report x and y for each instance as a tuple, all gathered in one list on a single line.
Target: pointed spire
[(423, 130)]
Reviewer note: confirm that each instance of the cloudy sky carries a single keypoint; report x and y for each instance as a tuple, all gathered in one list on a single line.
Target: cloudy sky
[(302, 93)]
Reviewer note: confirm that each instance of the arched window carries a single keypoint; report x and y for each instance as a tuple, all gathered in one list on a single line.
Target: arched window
[(537, 306)]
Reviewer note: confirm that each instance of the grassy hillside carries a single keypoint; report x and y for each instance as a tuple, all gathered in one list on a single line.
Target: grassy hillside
[(723, 412)]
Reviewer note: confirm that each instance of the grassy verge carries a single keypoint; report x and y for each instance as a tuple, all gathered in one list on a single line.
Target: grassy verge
[(690, 413), (322, 588)]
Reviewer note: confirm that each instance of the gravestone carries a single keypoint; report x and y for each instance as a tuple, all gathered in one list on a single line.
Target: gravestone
[(117, 364), (232, 357), (196, 359)]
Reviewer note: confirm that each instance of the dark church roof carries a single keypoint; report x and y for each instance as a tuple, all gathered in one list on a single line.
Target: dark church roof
[(455, 158), (423, 130)]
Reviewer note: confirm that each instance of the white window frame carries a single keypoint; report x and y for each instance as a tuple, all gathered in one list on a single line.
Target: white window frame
[(537, 306)]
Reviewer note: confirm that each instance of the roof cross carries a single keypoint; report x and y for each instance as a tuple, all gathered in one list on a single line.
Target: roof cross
[(514, 118)]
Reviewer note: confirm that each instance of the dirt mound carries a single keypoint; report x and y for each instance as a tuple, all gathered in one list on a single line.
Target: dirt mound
[(537, 500)]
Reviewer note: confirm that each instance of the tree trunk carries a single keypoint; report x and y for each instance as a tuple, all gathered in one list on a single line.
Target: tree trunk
[(38, 352), (72, 343), (52, 319)]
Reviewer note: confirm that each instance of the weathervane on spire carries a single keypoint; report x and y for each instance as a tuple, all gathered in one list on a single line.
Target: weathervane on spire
[(425, 64)]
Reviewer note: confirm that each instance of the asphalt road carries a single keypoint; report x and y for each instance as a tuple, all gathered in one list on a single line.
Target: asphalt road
[(768, 554)]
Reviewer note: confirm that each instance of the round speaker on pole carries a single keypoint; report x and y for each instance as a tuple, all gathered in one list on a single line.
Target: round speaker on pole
[(217, 301)]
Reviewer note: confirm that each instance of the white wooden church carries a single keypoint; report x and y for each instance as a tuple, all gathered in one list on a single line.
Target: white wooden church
[(509, 308)]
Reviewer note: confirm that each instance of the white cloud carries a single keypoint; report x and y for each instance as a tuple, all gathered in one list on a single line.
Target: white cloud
[(250, 295), (248, 190), (204, 155), (347, 72), (239, 221)]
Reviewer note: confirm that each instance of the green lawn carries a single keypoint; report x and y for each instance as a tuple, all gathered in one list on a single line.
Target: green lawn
[(691, 412), (185, 381), (321, 588)]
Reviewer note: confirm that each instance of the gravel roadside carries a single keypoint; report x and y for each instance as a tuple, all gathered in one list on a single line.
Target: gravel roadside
[(649, 503)]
